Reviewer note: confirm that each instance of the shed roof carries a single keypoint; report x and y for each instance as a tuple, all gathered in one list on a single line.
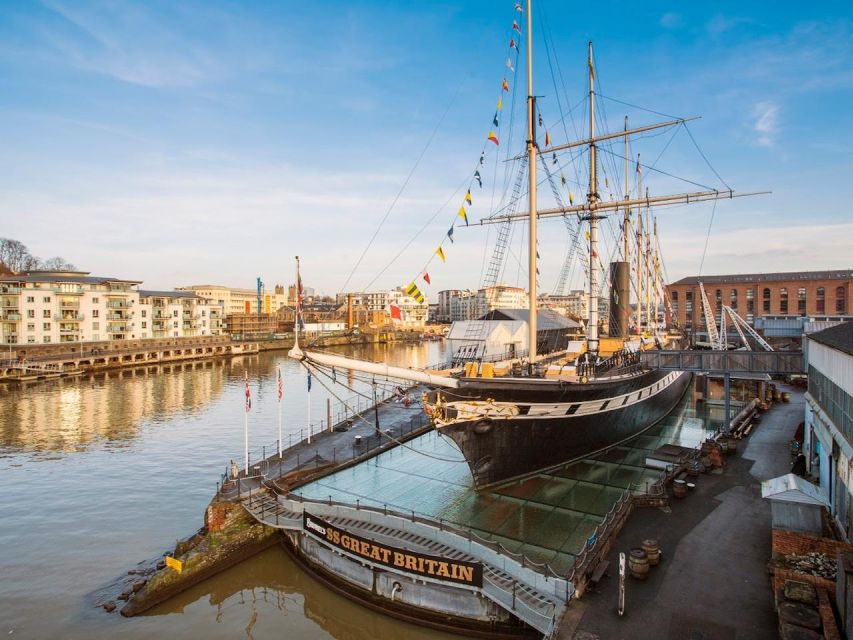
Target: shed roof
[(546, 319), (839, 337), (792, 488)]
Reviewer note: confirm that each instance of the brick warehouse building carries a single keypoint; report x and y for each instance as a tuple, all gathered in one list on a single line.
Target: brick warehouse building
[(813, 294)]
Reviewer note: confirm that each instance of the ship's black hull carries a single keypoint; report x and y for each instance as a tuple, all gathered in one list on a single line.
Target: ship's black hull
[(584, 419)]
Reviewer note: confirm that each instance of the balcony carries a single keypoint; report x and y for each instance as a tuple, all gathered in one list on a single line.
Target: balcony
[(9, 304), (9, 316), (10, 291), (69, 304), (64, 331), (68, 316), (118, 304), (117, 315)]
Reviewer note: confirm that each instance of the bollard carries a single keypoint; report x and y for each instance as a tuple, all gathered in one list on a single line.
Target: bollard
[(334, 455), (621, 604), (357, 504)]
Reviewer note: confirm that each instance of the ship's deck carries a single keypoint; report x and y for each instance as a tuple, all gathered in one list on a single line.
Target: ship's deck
[(548, 516)]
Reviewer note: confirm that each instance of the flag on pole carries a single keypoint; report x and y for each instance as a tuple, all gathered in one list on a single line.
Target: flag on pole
[(562, 178), (450, 234), (426, 278), (493, 137), (509, 65), (309, 382), (515, 26), (512, 44), (477, 176), (500, 103), (547, 139), (505, 85), (482, 160), (463, 214), (248, 395), (518, 7), (395, 312), (495, 119), (440, 253), (280, 386), (468, 197)]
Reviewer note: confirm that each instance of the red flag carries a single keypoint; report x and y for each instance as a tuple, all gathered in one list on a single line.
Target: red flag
[(426, 278), (493, 137), (547, 140), (515, 26), (512, 44), (248, 397), (280, 386), (396, 312), (518, 7)]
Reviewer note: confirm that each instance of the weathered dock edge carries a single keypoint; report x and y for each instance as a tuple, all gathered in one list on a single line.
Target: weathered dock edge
[(237, 538)]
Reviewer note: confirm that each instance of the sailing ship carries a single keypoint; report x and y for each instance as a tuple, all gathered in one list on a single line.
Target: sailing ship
[(559, 407)]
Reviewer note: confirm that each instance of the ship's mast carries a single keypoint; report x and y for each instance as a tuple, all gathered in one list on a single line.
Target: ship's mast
[(592, 199), (626, 222), (531, 159), (639, 255)]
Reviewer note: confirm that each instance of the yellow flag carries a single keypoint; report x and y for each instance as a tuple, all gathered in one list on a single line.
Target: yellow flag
[(177, 565), (586, 233), (500, 103), (571, 198), (463, 214), (440, 253), (413, 292), (468, 197)]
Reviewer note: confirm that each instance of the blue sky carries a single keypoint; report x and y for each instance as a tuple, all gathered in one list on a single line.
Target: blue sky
[(196, 142)]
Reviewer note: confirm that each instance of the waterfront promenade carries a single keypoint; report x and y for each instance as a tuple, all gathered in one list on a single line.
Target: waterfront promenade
[(712, 582)]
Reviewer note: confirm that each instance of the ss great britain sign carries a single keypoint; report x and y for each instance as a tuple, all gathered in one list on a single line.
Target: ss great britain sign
[(421, 564)]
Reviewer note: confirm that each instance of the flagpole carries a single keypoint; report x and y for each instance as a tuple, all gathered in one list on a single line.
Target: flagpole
[(280, 393), (296, 316), (310, 428), (246, 426)]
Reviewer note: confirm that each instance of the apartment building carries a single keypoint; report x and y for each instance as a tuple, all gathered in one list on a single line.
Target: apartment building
[(574, 304), (234, 300), (370, 300), (40, 307)]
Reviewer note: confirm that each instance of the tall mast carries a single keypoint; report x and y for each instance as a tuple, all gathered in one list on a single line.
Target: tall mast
[(639, 254), (592, 199), (649, 292), (531, 189), (626, 222)]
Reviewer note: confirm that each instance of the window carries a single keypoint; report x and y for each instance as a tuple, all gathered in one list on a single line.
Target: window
[(31, 313), (783, 300), (175, 324), (674, 296), (45, 313), (765, 304), (175, 314), (31, 339), (144, 326), (840, 300), (96, 325), (143, 315), (801, 301), (94, 301), (45, 326), (31, 298), (96, 337), (820, 300), (31, 326), (95, 313), (733, 298), (46, 299), (47, 339)]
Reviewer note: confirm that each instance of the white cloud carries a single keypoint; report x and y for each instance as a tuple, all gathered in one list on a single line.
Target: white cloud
[(766, 122)]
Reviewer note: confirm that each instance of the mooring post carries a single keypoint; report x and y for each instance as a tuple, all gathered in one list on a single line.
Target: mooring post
[(727, 401), (621, 604), (513, 594)]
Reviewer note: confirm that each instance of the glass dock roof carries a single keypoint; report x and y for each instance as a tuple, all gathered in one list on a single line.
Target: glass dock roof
[(548, 516)]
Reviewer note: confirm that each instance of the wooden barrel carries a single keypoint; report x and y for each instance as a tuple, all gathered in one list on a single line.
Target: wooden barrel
[(679, 488), (732, 442), (776, 396), (786, 397), (638, 564), (694, 469), (652, 551)]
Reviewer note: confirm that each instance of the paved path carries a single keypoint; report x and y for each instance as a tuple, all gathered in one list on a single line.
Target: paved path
[(712, 583), (396, 421)]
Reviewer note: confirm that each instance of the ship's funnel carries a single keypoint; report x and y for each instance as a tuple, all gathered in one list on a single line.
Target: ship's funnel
[(620, 299)]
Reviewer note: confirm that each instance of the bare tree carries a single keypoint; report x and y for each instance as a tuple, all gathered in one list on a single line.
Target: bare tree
[(57, 264), (14, 255)]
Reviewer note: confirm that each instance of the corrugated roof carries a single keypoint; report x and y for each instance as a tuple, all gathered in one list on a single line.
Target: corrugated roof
[(840, 274), (792, 488), (546, 319), (839, 337)]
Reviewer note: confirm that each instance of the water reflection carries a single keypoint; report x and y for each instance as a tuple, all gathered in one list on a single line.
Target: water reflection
[(269, 592)]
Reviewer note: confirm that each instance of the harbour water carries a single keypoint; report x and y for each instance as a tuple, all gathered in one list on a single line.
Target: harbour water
[(101, 473)]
